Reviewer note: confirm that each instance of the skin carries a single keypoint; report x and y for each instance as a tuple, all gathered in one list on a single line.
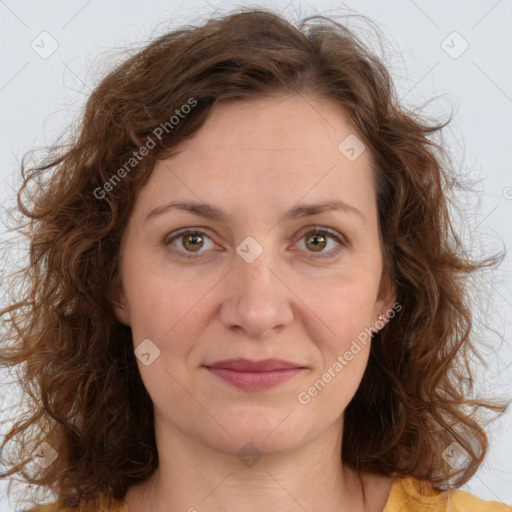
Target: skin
[(255, 159)]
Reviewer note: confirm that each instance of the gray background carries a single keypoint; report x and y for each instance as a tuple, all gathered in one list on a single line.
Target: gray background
[(40, 94)]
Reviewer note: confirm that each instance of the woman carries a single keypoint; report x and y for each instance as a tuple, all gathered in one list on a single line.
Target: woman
[(244, 290)]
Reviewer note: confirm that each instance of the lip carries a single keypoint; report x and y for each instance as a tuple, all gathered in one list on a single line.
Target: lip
[(254, 375), (249, 365)]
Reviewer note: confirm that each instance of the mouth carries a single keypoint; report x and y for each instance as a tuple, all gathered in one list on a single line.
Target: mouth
[(249, 365), (255, 375)]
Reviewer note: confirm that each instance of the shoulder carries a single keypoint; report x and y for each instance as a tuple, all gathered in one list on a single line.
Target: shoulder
[(408, 494), (110, 506)]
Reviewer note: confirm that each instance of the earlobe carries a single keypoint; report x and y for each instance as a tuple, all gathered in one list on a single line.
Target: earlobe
[(121, 310), (386, 298)]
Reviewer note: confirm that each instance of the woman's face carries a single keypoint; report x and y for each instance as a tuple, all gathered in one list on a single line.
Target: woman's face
[(253, 281)]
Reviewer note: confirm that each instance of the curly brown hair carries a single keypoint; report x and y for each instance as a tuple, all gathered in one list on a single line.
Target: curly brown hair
[(75, 360)]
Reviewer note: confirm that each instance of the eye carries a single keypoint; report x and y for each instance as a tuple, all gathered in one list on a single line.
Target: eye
[(189, 241), (318, 238)]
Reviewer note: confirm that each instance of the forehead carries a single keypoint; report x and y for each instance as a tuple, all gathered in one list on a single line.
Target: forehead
[(277, 149), (287, 122)]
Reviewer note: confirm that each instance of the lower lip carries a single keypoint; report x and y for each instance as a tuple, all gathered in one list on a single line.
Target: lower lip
[(255, 380)]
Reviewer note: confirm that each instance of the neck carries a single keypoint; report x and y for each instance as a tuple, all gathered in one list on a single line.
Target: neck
[(194, 477)]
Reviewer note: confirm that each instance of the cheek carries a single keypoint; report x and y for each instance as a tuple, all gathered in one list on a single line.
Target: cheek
[(163, 306), (346, 307), (166, 312), (346, 304), (344, 349)]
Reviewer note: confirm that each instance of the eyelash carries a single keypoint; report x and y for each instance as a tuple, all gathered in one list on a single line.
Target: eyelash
[(315, 230)]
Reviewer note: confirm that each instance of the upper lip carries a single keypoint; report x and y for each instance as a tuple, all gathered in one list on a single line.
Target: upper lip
[(248, 365)]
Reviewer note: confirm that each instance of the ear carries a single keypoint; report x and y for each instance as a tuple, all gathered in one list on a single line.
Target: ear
[(386, 300), (120, 306)]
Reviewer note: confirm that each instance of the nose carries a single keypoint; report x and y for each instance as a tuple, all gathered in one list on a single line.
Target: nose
[(257, 299)]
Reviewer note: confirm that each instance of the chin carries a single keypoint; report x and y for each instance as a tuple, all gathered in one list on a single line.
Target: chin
[(273, 432)]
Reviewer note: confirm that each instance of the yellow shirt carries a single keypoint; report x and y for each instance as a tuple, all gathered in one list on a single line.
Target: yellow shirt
[(407, 495), (413, 495)]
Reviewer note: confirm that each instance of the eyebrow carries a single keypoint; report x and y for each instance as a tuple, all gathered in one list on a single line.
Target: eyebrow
[(210, 211)]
